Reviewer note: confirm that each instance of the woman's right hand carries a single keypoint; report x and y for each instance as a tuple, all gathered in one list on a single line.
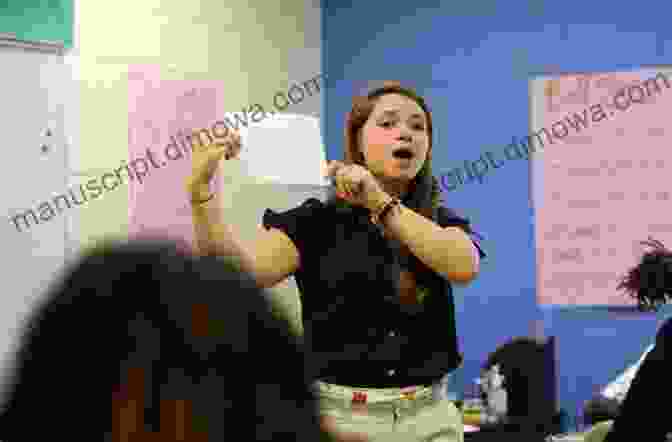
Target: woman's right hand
[(205, 159)]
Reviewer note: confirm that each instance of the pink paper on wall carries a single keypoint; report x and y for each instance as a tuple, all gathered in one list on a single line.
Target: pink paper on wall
[(161, 112), (601, 189)]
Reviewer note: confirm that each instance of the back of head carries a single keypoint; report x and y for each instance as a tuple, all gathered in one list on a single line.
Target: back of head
[(650, 281), (528, 379), (145, 321)]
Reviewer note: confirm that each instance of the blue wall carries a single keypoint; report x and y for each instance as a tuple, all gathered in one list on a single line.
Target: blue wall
[(473, 61)]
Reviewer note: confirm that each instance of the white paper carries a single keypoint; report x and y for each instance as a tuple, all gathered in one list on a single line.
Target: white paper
[(285, 149)]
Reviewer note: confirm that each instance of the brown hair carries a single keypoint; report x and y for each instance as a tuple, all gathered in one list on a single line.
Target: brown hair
[(425, 191)]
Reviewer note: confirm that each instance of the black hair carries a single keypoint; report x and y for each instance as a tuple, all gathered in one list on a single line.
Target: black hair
[(526, 364), (202, 331), (650, 281)]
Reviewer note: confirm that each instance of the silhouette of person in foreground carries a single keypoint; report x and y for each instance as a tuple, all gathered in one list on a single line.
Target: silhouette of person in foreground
[(142, 341)]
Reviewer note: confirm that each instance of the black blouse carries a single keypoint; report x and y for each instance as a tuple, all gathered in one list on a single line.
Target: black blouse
[(357, 330)]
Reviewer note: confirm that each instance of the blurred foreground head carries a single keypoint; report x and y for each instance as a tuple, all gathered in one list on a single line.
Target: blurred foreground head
[(141, 341)]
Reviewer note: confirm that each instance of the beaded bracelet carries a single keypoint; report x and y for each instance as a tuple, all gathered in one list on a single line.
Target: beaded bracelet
[(384, 210)]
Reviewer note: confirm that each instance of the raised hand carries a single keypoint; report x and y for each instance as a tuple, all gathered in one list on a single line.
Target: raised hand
[(205, 160)]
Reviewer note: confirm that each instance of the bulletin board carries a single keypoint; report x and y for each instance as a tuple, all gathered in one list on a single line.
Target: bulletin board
[(38, 20), (598, 189)]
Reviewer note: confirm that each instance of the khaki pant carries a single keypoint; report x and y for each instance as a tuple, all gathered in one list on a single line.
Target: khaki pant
[(599, 432), (392, 414)]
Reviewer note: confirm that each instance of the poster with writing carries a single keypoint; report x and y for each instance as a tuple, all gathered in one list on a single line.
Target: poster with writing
[(161, 114), (267, 174), (599, 182)]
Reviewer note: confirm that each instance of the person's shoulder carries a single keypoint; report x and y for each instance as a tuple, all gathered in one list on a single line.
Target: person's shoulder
[(310, 206), (330, 209), (313, 204), (447, 216), (446, 211), (297, 222)]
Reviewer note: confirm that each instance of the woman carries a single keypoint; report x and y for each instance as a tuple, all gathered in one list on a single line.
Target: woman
[(374, 266), (644, 413), (117, 353)]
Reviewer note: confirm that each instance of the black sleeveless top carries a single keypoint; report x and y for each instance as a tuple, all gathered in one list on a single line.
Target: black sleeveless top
[(357, 330)]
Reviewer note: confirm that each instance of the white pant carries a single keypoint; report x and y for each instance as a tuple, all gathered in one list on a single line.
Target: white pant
[(392, 414)]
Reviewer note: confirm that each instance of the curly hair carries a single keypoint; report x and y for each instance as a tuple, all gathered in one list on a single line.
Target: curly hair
[(650, 281)]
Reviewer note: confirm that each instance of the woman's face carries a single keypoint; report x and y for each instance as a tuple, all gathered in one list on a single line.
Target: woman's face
[(394, 140)]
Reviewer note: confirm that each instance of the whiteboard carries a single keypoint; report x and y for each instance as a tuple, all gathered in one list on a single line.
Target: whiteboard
[(599, 189), (32, 256)]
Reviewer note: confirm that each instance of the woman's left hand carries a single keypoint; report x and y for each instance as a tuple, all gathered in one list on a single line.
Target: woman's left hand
[(356, 184)]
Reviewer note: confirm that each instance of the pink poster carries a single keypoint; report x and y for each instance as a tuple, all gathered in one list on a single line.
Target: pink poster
[(160, 116), (601, 186)]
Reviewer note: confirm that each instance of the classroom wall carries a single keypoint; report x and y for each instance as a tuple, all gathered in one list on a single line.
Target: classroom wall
[(257, 48), (473, 61)]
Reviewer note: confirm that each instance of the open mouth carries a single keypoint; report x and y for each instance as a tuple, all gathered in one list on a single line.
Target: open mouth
[(403, 153)]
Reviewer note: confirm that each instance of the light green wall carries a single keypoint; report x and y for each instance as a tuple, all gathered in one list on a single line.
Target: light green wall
[(243, 43)]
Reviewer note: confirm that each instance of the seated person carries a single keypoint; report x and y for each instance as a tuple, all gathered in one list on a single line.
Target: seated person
[(142, 342), (530, 406), (605, 405), (644, 414)]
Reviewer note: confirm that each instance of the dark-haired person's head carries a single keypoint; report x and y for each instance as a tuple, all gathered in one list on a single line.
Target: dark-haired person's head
[(650, 281), (524, 363), (142, 341)]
